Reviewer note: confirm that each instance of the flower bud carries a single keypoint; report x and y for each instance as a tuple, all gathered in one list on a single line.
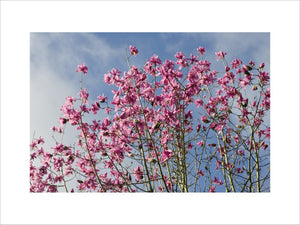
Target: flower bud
[(246, 67), (261, 66), (152, 160), (239, 126), (198, 128), (133, 50), (62, 121), (204, 119), (245, 71), (252, 63)]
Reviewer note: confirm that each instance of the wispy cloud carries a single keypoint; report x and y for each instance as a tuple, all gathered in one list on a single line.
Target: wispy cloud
[(255, 46), (54, 60)]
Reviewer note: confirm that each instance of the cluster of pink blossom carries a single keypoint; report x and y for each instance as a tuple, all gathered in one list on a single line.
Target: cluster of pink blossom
[(172, 122)]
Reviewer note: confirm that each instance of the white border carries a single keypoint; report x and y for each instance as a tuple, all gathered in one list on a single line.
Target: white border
[(18, 19)]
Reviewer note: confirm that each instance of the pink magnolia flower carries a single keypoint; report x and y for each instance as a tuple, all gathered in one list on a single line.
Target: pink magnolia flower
[(231, 92), (193, 59), (200, 143), (239, 170), (264, 77), (241, 152), (179, 55), (244, 83), (33, 155), (267, 133), (246, 68), (204, 119), (52, 188), (167, 154), (33, 144), (212, 189), (261, 66), (168, 183), (228, 166), (58, 163), (133, 50), (62, 121), (68, 170), (138, 173), (70, 100), (199, 102), (219, 127), (58, 178), (189, 146), (200, 172), (155, 60), (251, 63), (57, 129), (220, 55), (218, 163), (107, 78), (82, 68), (102, 98), (95, 108), (201, 50), (59, 148), (40, 140), (181, 61), (108, 110), (216, 181), (84, 95)]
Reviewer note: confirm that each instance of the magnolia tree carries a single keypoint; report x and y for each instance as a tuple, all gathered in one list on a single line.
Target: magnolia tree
[(173, 126)]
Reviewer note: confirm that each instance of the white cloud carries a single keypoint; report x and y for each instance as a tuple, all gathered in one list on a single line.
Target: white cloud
[(48, 87), (173, 48), (54, 60), (253, 45)]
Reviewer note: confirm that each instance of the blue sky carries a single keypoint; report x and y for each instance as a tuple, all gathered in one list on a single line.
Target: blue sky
[(54, 58)]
